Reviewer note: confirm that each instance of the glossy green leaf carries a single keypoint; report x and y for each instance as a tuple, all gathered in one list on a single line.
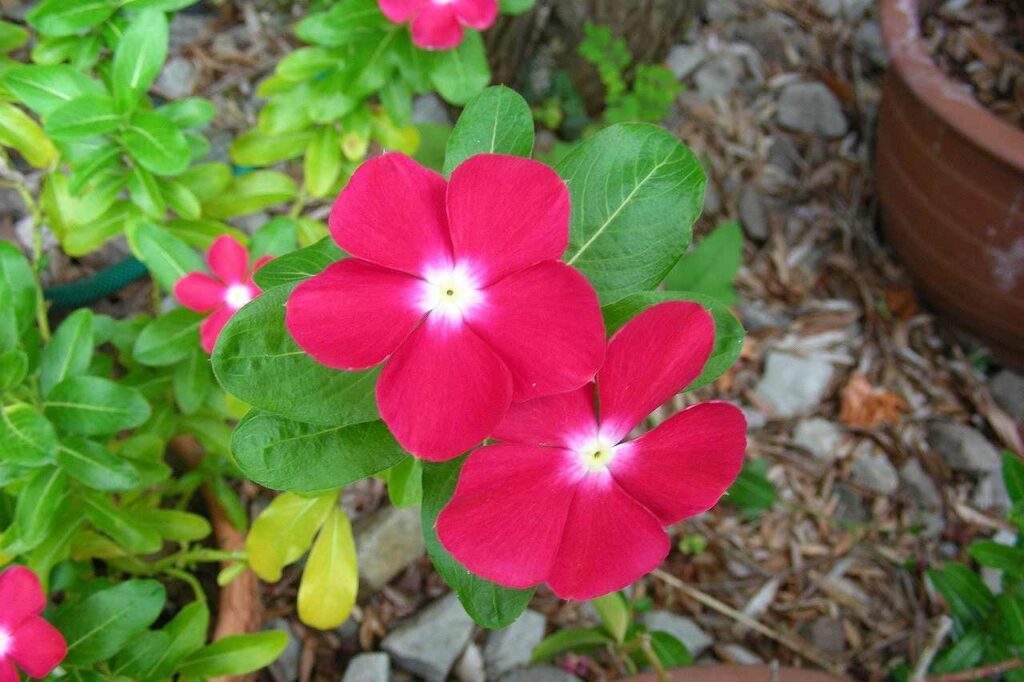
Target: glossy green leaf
[(330, 579), (234, 655), (39, 504), (284, 531), (299, 265), (636, 192), (255, 351), (257, 148), (17, 278), (94, 466), (287, 455), (570, 639), (93, 406), (460, 74), (1013, 476), (13, 366), (168, 339), (167, 257), (490, 605), (323, 161), (187, 634), (711, 268), (200, 234), (998, 556), (188, 113), (20, 132), (26, 437), (139, 57), (497, 121), (84, 116), (276, 237), (82, 239), (69, 351), (98, 626), (132, 661), (347, 22), (970, 601), (121, 525), (405, 483), (206, 180), (12, 37), (251, 193), (1011, 612), (174, 525), (156, 144), (670, 651), (516, 6), (181, 199), (615, 614), (68, 17), (192, 381), (752, 492), (729, 334)]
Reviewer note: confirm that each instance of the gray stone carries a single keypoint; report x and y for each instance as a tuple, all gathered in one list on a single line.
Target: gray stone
[(772, 34), (785, 154), (849, 9), (430, 109), (684, 59), (718, 77), (794, 385), (868, 42), (850, 505), (178, 78), (917, 480), (429, 643), (1008, 391), (820, 437), (470, 667), (540, 673), (286, 667), (827, 634), (872, 469), (373, 667), (811, 108), (511, 647), (187, 28), (991, 494), (722, 10), (753, 213), (757, 316), (963, 448), (386, 542), (682, 628)]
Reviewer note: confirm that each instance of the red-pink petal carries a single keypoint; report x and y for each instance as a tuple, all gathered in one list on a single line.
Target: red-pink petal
[(609, 542), (228, 259), (7, 671), (37, 647), (353, 314), (198, 291), (399, 11), (654, 356), (392, 213), (211, 327), (504, 522), (506, 214), (545, 323), (685, 465), (436, 27), (478, 14), (21, 597), (565, 420), (443, 391)]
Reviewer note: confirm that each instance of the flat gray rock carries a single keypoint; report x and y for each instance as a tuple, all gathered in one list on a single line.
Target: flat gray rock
[(963, 447), (1008, 390), (920, 484), (682, 628), (375, 667), (820, 437), (793, 385), (387, 542), (429, 643), (872, 469), (511, 647), (813, 109)]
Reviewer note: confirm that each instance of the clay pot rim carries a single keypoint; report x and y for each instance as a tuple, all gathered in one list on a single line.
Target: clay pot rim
[(901, 30)]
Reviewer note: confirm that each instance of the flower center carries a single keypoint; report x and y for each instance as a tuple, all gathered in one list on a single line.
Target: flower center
[(450, 292), (237, 296), (597, 454), (5, 643)]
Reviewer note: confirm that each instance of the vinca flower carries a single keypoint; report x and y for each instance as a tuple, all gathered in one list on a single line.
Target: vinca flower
[(223, 294), (456, 287), (26, 639), (567, 499), (437, 24)]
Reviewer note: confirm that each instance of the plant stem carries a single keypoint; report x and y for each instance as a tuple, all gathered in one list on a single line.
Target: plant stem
[(652, 657), (979, 673)]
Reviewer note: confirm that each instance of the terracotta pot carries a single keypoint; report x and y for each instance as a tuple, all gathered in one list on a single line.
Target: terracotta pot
[(741, 673), (951, 181)]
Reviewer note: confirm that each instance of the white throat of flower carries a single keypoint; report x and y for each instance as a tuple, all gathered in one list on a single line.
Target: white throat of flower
[(450, 292), (597, 453), (5, 643), (237, 295)]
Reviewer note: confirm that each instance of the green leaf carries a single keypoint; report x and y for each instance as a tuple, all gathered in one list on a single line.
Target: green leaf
[(12, 37), (201, 234), (284, 531), (490, 605), (306, 63), (711, 268), (968, 652), (345, 23), (38, 505), (397, 100), (93, 406), (162, 5), (999, 556), (181, 199), (1013, 476), (135, 657), (167, 257), (752, 492), (323, 161), (461, 73), (26, 437), (288, 455), (187, 634), (156, 144), (13, 367), (84, 116), (139, 57), (100, 625), (20, 132), (255, 351), (298, 265), (168, 339), (235, 655), (82, 239), (1011, 612), (68, 17), (516, 6), (330, 579), (121, 525), (252, 192), (206, 180), (189, 113), (570, 639), (91, 464), (636, 192), (670, 651), (257, 148), (405, 483), (192, 381), (44, 88), (17, 278), (174, 525), (69, 351), (497, 121), (970, 601), (615, 614), (276, 237), (729, 332)]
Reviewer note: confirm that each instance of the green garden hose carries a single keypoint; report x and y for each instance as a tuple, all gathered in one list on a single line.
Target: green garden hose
[(98, 287)]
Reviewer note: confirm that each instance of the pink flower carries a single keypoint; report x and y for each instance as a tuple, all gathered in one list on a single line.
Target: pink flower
[(26, 640), (457, 287), (437, 24), (223, 295), (566, 499)]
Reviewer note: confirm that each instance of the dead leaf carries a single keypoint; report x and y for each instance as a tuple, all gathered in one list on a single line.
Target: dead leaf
[(865, 407)]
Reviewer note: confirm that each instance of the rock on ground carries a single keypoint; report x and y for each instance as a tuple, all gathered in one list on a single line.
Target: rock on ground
[(178, 79), (286, 667), (820, 437), (429, 643), (470, 667), (1008, 391), (684, 59), (872, 469), (682, 628), (511, 647), (793, 385), (753, 213), (430, 109), (387, 542), (811, 108), (917, 480), (375, 667), (963, 447)]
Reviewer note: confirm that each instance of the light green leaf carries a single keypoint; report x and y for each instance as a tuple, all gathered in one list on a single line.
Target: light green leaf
[(206, 180), (299, 265), (20, 132), (497, 121), (711, 268), (67, 17), (139, 56), (187, 632), (284, 531), (13, 366), (98, 626), (516, 6), (167, 257), (84, 116), (999, 556), (91, 464), (156, 144), (257, 148), (188, 113), (17, 278), (330, 580), (121, 525), (405, 483), (12, 37), (39, 505), (44, 88), (570, 639), (168, 339), (323, 161), (192, 381), (69, 351), (252, 192), (461, 73), (234, 655), (174, 525), (26, 437), (93, 406), (181, 199), (615, 614), (145, 193), (276, 237)]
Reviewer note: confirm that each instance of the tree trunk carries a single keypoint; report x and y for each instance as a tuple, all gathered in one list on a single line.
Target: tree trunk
[(554, 28)]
